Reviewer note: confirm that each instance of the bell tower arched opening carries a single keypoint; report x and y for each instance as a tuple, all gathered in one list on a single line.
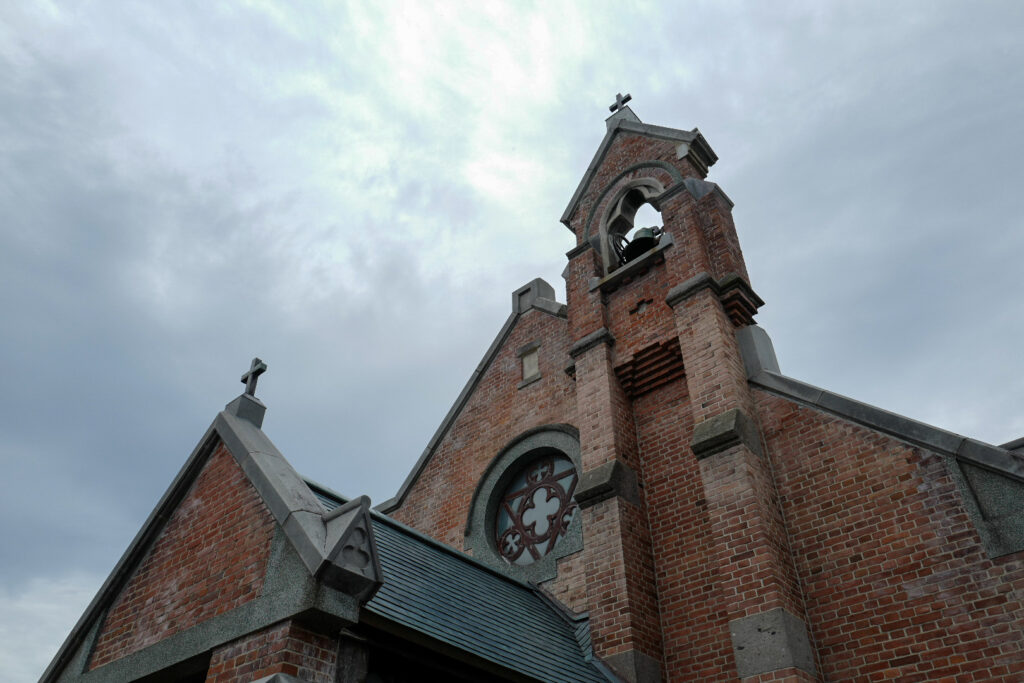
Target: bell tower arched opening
[(633, 225)]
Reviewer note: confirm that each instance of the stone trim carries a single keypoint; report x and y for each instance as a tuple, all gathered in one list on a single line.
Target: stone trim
[(316, 537), (698, 189), (526, 348), (248, 408), (611, 479), (578, 249), (88, 622), (1000, 534), (698, 149), (529, 380), (544, 301), (1015, 445), (770, 641), (755, 346), (635, 667), (483, 506), (288, 590), (685, 290), (638, 267), (738, 299), (595, 338), (723, 431), (654, 197)]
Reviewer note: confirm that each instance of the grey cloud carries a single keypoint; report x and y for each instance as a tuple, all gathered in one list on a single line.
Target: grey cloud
[(185, 187)]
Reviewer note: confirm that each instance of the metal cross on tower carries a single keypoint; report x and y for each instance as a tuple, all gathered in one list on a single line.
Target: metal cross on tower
[(249, 379), (620, 102)]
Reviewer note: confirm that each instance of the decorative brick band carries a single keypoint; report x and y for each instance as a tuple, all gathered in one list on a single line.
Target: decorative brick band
[(600, 336), (651, 367), (721, 432), (740, 301), (770, 641), (614, 478)]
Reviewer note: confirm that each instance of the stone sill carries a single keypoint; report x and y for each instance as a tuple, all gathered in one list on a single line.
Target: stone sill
[(634, 269), (528, 381)]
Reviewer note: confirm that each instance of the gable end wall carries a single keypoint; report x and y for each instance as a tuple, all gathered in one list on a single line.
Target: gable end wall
[(210, 558), (498, 411), (897, 582)]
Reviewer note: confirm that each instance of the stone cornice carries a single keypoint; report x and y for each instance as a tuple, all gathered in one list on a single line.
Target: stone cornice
[(737, 297), (595, 338)]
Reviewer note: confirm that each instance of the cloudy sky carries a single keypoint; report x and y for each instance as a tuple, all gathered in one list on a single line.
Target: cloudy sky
[(351, 192)]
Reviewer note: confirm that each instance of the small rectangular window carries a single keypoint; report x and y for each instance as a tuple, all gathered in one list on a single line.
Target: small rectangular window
[(531, 364)]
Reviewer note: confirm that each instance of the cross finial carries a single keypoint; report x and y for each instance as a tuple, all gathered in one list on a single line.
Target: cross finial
[(249, 379), (620, 102)]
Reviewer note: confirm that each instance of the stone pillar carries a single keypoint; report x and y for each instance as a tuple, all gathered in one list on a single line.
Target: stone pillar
[(750, 547), (621, 592)]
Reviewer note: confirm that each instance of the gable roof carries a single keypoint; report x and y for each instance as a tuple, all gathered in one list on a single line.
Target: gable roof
[(450, 597), (691, 143), (317, 537), (433, 592)]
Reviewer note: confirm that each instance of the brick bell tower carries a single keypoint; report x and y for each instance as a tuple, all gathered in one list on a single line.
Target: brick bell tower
[(689, 572)]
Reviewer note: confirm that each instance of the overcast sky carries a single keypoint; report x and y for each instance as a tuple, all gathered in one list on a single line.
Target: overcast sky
[(353, 192)]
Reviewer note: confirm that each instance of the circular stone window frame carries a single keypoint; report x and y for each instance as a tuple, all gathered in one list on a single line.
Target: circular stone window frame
[(483, 509)]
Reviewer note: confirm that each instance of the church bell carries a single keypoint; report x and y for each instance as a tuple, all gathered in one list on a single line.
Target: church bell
[(643, 241)]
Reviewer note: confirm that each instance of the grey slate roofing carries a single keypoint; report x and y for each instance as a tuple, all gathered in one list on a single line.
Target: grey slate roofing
[(448, 596)]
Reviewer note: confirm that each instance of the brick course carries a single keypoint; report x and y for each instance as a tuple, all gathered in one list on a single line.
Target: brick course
[(285, 648), (897, 583), (438, 503), (210, 558), (862, 537)]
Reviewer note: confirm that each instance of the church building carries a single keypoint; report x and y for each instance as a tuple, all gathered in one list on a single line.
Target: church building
[(628, 488)]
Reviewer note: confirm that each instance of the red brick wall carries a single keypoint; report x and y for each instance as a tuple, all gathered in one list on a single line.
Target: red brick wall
[(693, 613), (570, 586), (283, 648), (627, 150), (637, 327), (896, 580), (679, 216), (210, 558), (438, 503)]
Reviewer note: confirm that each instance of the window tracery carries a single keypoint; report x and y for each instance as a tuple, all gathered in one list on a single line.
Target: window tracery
[(536, 509)]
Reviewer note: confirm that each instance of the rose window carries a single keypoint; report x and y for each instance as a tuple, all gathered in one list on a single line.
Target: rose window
[(536, 509)]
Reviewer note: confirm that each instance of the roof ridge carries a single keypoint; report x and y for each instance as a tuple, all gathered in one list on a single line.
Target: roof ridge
[(579, 622)]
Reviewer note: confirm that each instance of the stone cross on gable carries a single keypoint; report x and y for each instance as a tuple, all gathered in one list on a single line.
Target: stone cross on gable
[(620, 102), (249, 379)]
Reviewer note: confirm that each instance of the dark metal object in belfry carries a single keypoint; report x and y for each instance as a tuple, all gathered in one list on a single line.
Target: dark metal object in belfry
[(618, 243), (643, 241), (249, 379), (620, 102)]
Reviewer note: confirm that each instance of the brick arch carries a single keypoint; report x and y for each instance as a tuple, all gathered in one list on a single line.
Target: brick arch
[(659, 176)]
